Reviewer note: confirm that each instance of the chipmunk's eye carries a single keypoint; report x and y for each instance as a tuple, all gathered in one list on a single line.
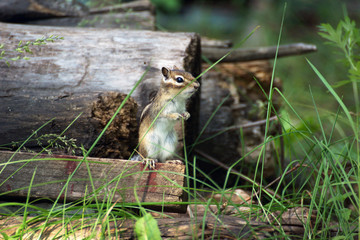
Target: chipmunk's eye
[(179, 79)]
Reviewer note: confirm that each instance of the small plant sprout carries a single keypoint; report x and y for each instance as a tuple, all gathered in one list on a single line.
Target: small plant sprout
[(22, 50)]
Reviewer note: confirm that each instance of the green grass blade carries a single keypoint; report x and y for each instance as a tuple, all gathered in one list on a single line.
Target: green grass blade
[(338, 99)]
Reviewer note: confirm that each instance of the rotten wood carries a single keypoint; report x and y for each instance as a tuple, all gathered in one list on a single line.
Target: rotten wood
[(88, 73), (290, 223), (111, 179), (262, 53)]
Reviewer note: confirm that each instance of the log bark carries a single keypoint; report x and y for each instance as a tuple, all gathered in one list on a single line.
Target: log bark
[(138, 15), (142, 20), (107, 179), (23, 10), (88, 69), (221, 227), (139, 5)]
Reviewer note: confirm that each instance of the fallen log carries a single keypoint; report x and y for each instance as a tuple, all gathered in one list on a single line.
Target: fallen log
[(138, 5), (290, 223), (25, 10), (88, 74), (261, 53), (113, 180), (138, 15)]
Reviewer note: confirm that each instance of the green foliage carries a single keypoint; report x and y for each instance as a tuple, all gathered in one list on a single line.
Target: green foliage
[(146, 228), (345, 37), (23, 49)]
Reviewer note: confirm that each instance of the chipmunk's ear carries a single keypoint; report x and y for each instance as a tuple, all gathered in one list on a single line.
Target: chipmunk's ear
[(165, 72), (175, 67)]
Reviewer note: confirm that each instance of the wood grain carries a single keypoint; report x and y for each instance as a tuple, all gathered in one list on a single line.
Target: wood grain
[(96, 178)]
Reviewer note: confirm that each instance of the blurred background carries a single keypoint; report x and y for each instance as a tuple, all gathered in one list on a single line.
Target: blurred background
[(234, 19)]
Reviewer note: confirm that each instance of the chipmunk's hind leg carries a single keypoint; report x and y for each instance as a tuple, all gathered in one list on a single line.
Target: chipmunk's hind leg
[(150, 162)]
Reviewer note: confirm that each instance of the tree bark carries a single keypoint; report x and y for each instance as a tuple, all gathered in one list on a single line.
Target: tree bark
[(138, 15), (25, 10)]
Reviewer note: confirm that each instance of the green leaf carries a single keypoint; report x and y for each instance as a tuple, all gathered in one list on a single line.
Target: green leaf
[(339, 198), (345, 213), (1, 46), (27, 49), (26, 58), (146, 228)]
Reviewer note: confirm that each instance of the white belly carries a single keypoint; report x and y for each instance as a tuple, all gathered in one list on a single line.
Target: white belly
[(162, 139)]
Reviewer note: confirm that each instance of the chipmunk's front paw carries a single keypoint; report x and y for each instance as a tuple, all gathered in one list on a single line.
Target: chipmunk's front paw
[(178, 116), (179, 162), (185, 115)]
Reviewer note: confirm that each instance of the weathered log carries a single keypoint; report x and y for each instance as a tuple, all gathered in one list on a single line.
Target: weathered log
[(131, 15), (143, 20), (80, 73), (215, 43), (222, 227), (262, 53), (139, 5), (111, 179), (22, 10)]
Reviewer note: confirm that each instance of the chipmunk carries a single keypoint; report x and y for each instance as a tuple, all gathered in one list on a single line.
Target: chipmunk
[(158, 142)]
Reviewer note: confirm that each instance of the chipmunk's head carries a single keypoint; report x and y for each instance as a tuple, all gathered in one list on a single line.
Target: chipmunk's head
[(175, 80)]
